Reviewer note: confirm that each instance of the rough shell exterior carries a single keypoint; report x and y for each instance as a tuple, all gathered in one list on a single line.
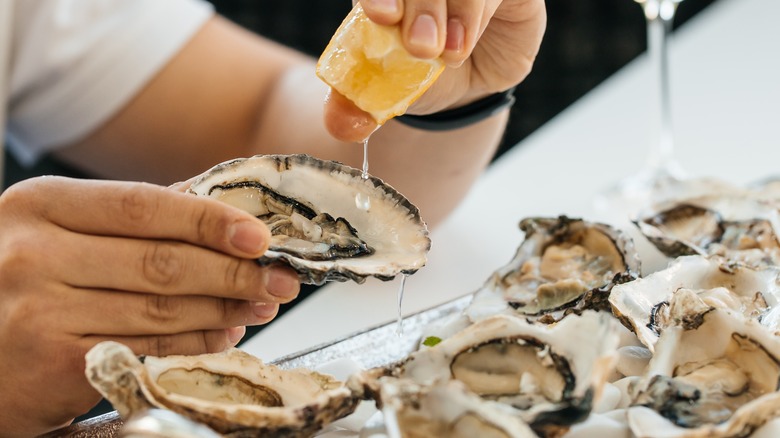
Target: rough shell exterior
[(551, 375)]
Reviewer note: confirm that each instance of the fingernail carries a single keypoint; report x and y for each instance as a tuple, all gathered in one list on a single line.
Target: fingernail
[(384, 6), (424, 32), (235, 334), (456, 35), (281, 283), (248, 236), (264, 310)]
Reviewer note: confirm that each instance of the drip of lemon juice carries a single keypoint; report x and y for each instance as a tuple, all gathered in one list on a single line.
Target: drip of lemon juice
[(365, 158), (399, 325), (362, 200)]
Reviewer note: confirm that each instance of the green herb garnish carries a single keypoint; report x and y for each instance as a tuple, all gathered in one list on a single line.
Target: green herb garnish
[(430, 341)]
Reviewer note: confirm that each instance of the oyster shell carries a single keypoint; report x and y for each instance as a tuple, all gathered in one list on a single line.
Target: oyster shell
[(446, 410), (643, 304), (550, 375), (673, 190), (233, 392), (739, 227), (564, 265), (714, 375), (327, 221), (767, 189)]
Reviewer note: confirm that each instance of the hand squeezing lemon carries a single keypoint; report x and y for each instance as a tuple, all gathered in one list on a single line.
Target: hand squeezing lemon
[(368, 64), (376, 71)]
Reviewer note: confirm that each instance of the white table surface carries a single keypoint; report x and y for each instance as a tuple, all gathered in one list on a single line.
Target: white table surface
[(725, 65)]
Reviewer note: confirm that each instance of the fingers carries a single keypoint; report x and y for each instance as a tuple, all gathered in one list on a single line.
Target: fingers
[(433, 28), (170, 268), (424, 27), (345, 121), (62, 235), (465, 22), (386, 12), (192, 343), (115, 313), (489, 45), (148, 211)]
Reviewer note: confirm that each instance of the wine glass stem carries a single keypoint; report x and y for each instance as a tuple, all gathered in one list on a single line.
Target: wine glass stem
[(660, 15)]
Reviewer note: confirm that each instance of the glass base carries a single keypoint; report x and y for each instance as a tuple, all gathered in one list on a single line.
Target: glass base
[(629, 197)]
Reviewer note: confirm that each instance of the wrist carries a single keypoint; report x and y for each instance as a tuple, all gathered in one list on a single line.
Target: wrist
[(461, 116)]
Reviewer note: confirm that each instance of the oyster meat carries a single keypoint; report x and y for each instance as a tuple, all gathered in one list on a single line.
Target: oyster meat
[(550, 375), (446, 410), (564, 265), (232, 392), (714, 374), (327, 221)]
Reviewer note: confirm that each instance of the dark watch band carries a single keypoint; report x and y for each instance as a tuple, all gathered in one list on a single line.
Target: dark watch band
[(462, 116)]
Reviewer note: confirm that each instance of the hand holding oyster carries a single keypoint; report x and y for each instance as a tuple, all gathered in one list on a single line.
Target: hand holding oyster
[(320, 223)]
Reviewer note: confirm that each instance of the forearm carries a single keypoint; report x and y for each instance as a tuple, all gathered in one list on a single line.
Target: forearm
[(435, 170), (202, 108), (260, 98)]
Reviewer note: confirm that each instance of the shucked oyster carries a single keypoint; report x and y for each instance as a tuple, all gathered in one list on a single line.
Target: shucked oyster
[(738, 227), (234, 393), (327, 221), (564, 265), (446, 410), (712, 375), (643, 305), (550, 375)]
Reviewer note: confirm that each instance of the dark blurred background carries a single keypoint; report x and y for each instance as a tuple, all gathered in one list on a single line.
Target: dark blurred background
[(586, 42)]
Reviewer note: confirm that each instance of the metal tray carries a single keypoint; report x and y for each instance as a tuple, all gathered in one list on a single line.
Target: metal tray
[(377, 346)]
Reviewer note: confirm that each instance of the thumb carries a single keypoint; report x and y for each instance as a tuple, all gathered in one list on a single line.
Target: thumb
[(345, 121)]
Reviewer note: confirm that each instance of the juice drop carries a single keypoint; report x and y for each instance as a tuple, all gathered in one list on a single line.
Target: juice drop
[(362, 201), (365, 158), (399, 325)]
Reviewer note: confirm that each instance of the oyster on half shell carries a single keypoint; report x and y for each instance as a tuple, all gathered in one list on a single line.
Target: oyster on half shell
[(446, 410), (563, 266), (551, 375), (739, 227), (327, 221), (643, 305), (716, 374), (232, 392)]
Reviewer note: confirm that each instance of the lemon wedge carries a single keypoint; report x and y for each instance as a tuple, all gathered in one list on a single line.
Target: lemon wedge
[(368, 64)]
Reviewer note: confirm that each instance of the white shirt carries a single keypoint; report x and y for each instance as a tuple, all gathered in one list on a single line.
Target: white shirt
[(67, 66)]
